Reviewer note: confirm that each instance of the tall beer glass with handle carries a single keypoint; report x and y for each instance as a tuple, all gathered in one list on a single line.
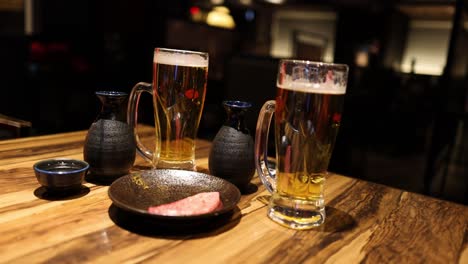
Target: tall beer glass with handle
[(307, 115), (178, 90)]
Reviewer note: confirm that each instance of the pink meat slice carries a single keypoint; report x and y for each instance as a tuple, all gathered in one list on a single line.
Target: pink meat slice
[(197, 204)]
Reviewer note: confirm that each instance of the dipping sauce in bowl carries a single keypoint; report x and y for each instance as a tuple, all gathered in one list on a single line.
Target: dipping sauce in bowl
[(59, 175)]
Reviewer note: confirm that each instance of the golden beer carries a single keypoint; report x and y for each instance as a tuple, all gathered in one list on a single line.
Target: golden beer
[(307, 116), (305, 130), (178, 91), (179, 94)]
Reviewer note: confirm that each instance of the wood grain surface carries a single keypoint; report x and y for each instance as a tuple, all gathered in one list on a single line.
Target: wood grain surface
[(366, 222)]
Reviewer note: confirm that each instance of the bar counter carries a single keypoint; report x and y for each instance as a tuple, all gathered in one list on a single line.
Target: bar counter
[(366, 222)]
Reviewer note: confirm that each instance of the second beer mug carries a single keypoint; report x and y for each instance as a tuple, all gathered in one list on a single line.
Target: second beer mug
[(309, 100), (178, 90)]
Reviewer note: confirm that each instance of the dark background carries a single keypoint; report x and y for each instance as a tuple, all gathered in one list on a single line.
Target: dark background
[(406, 130)]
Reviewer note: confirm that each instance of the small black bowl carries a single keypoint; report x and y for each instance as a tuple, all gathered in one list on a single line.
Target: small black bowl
[(60, 175)]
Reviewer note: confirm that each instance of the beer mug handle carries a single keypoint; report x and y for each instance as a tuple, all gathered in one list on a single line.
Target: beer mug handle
[(132, 120), (267, 175)]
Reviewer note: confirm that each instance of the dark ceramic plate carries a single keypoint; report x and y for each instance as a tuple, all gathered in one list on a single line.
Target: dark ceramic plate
[(138, 191)]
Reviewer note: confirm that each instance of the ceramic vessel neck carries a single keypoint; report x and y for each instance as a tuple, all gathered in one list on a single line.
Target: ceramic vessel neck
[(235, 111), (112, 105)]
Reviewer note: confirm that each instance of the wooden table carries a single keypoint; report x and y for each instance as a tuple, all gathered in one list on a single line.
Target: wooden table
[(366, 222)]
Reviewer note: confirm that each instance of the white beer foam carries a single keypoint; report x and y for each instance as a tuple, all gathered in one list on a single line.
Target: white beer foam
[(302, 85), (190, 60)]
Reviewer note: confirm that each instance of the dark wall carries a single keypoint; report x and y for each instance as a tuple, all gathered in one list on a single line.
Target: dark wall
[(77, 48)]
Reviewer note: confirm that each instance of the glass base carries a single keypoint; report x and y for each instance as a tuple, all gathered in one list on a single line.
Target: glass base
[(176, 165), (297, 214)]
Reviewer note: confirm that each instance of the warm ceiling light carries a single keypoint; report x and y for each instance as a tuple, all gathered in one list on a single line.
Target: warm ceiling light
[(221, 9), (276, 2), (220, 17)]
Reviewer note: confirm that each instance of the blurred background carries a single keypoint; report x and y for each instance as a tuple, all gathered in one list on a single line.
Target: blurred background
[(404, 121)]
